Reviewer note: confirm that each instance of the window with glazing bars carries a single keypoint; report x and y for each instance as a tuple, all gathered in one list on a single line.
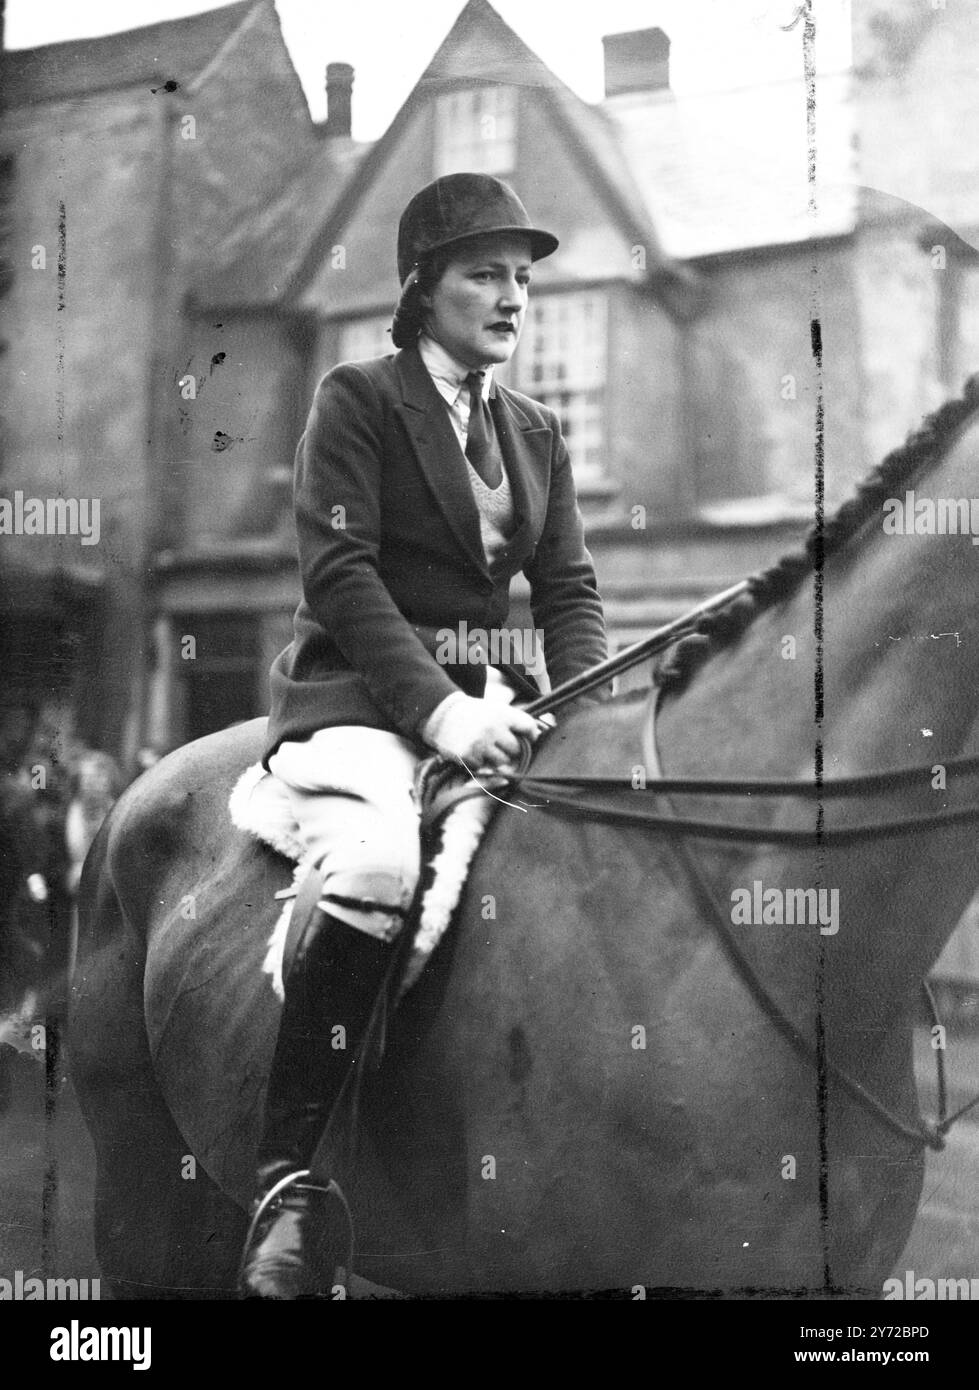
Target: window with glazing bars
[(476, 131), (562, 362)]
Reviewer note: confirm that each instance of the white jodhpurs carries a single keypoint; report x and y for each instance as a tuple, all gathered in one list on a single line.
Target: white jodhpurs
[(352, 794)]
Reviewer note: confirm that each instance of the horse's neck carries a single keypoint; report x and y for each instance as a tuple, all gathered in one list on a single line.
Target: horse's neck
[(894, 692)]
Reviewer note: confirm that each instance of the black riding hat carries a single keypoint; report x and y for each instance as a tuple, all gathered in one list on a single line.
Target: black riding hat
[(459, 206)]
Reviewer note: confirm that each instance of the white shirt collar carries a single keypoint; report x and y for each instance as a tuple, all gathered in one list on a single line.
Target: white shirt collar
[(446, 371)]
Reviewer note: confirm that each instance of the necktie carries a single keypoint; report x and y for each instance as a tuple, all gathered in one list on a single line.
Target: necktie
[(482, 449)]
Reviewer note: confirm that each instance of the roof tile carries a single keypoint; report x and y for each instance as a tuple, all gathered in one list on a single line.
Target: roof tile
[(726, 171), (176, 50)]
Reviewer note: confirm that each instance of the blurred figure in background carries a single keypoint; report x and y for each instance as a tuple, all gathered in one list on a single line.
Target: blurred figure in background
[(33, 899), (97, 783), (146, 758)]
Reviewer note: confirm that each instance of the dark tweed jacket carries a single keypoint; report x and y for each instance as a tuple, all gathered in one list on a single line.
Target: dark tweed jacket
[(390, 552)]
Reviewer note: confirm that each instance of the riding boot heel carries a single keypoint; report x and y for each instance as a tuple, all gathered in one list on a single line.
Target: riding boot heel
[(299, 1241)]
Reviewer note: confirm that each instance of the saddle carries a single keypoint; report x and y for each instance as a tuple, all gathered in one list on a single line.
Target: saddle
[(455, 812)]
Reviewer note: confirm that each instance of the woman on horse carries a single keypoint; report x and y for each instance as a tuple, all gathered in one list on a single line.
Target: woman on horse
[(422, 487)]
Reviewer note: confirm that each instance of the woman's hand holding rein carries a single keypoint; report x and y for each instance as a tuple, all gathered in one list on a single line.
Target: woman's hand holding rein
[(484, 734)]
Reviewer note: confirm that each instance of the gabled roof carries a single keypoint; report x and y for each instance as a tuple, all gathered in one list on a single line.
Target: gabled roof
[(691, 177), (177, 50), (279, 249), (591, 137)]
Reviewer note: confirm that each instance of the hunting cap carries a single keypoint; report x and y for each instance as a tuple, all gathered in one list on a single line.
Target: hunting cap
[(459, 206)]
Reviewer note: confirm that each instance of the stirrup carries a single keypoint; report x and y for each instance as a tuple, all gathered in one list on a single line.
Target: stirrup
[(341, 1273)]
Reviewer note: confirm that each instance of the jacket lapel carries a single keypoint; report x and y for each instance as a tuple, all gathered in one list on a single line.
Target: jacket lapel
[(524, 446), (439, 456), (523, 443)]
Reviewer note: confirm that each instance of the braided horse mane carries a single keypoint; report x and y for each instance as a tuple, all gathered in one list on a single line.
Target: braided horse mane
[(777, 582)]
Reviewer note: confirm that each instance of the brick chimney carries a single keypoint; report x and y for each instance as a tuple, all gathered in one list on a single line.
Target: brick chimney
[(339, 90), (637, 62)]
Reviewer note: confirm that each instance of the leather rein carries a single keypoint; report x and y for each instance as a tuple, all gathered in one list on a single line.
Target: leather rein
[(593, 798), (601, 799)]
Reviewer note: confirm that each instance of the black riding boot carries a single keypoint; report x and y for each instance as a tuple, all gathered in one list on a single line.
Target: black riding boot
[(299, 1232)]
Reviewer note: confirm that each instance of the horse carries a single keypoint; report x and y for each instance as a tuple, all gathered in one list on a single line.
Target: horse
[(626, 1071)]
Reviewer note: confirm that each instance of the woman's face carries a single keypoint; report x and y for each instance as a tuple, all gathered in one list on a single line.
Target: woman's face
[(476, 310)]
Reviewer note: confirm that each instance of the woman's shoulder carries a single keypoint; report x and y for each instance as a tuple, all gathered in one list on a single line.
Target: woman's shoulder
[(372, 366), (359, 382), (542, 415), (373, 369)]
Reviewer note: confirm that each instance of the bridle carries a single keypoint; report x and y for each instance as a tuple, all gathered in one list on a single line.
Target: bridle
[(602, 799)]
